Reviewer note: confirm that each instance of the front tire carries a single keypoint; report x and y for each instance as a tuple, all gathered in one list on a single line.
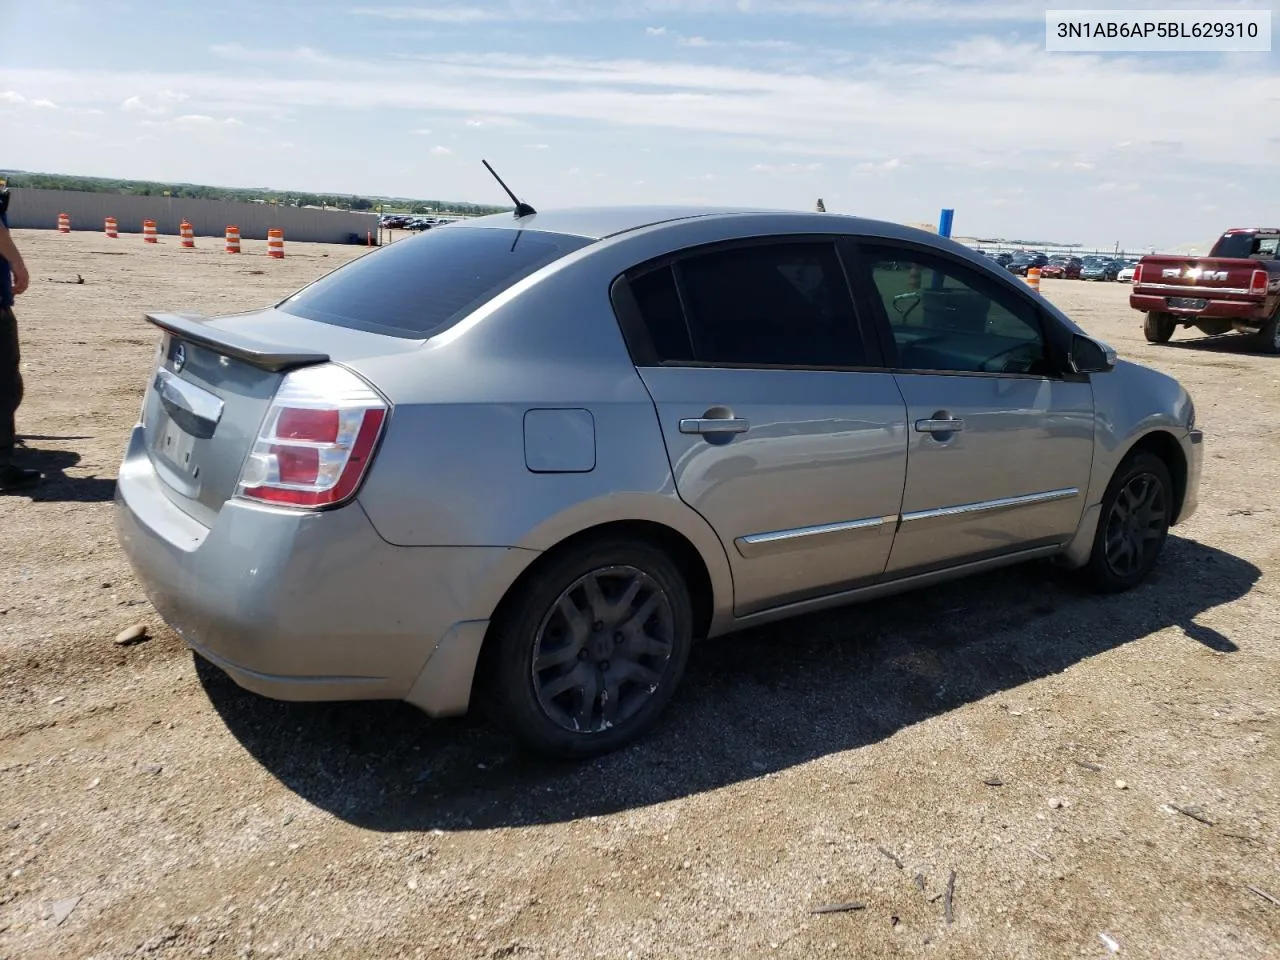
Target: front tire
[(1133, 523), (1158, 327), (589, 650)]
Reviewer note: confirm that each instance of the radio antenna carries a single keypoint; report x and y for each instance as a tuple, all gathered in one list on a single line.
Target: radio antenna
[(522, 209)]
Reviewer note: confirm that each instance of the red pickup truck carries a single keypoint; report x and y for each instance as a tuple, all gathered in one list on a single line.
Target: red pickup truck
[(1236, 287)]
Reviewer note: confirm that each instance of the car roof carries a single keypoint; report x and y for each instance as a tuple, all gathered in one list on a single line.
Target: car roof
[(596, 223), (602, 223), (599, 223)]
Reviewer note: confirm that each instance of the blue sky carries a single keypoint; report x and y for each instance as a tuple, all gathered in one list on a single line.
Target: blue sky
[(884, 109)]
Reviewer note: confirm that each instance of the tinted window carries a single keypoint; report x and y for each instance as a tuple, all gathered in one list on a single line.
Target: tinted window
[(949, 318), (1243, 245), (659, 303), (419, 287), (775, 304)]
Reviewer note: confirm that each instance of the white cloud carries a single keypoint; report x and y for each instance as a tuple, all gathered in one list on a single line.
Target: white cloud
[(899, 115), (14, 97), (860, 11), (540, 146), (233, 122), (884, 166), (886, 101), (495, 121), (439, 151), (195, 119), (436, 14), (421, 132), (786, 168), (656, 31), (161, 105)]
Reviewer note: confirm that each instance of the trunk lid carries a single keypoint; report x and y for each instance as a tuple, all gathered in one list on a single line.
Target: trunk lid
[(213, 384)]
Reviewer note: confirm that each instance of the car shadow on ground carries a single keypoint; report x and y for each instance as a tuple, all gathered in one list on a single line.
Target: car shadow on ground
[(751, 703), (57, 486)]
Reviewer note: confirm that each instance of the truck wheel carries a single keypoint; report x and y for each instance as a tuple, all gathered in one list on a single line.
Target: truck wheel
[(1133, 523), (588, 652), (1270, 335), (1158, 327)]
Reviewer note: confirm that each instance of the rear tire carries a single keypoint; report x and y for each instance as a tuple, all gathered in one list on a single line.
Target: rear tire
[(585, 655), (1158, 327), (1133, 524), (1269, 337)]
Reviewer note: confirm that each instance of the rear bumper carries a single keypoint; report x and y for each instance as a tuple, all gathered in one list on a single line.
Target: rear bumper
[(312, 606), (1249, 313)]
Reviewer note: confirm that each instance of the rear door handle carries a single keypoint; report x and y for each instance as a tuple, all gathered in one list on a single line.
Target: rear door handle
[(953, 425), (705, 425)]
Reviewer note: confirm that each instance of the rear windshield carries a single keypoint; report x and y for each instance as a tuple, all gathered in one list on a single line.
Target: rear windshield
[(419, 287), (1240, 246)]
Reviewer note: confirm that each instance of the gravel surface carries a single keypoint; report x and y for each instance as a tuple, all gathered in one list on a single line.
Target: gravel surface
[(1084, 774)]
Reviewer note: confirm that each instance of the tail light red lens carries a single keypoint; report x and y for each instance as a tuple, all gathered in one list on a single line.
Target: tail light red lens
[(1258, 283), (320, 426), (316, 441), (1137, 275)]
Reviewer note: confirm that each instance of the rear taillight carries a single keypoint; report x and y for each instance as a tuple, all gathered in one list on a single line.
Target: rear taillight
[(1258, 283), (1137, 274), (316, 440)]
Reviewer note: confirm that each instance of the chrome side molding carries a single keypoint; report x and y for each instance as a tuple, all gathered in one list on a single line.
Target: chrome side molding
[(803, 538), (990, 506)]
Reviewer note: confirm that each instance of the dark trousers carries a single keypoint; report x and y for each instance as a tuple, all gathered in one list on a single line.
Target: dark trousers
[(10, 383)]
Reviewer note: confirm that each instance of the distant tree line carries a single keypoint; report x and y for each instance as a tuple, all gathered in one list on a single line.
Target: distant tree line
[(290, 198)]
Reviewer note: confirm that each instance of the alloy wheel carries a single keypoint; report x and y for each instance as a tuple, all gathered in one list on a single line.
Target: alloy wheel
[(602, 650), (1136, 524)]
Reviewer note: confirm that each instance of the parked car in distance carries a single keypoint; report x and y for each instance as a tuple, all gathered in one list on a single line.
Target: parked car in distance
[(1022, 262), (693, 421), (1098, 268), (1127, 268), (1061, 268), (1001, 257), (1236, 287)]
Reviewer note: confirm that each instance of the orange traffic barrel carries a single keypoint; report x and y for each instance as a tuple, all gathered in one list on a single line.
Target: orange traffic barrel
[(111, 228), (187, 233), (64, 223), (275, 243), (149, 231), (1033, 278), (233, 240)]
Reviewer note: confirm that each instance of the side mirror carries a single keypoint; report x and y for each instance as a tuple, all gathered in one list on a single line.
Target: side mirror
[(1091, 356)]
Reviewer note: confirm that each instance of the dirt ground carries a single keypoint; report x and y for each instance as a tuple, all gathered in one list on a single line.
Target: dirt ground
[(1012, 731)]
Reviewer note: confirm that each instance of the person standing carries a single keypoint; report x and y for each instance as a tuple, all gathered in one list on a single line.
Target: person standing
[(14, 280)]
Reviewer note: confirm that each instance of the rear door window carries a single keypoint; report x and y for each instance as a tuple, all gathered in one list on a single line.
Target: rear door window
[(759, 305), (419, 287)]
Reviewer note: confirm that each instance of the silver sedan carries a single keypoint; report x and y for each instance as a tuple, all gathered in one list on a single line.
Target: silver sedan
[(530, 459)]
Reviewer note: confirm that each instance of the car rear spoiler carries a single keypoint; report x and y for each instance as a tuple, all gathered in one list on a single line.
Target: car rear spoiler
[(195, 329)]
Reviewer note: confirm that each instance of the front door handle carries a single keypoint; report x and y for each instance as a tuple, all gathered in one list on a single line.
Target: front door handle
[(706, 425), (949, 425)]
